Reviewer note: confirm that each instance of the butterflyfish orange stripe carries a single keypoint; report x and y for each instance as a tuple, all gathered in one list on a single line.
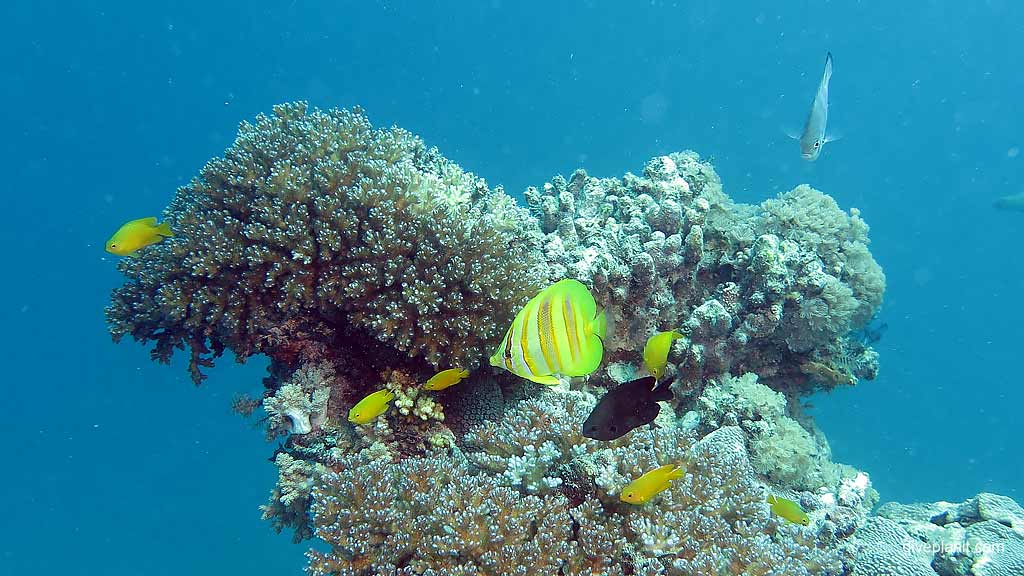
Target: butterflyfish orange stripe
[(569, 315), (549, 340), (524, 343)]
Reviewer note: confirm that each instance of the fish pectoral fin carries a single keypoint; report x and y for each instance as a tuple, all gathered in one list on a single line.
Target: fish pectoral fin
[(164, 229)]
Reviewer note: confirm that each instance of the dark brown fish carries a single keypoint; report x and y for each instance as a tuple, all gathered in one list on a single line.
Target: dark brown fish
[(626, 407)]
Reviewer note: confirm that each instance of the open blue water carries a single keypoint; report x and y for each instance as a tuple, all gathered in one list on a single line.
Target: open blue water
[(116, 465)]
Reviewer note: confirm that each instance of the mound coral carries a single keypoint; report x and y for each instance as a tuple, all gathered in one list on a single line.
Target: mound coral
[(755, 289), (780, 447), (983, 536)]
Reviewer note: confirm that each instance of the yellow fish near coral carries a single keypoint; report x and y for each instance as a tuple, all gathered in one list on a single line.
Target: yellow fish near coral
[(559, 331), (650, 484), (656, 352), (367, 409), (445, 379), (137, 234), (789, 510)]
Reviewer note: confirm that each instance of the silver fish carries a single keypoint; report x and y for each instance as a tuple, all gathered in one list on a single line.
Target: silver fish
[(813, 138), (1012, 203)]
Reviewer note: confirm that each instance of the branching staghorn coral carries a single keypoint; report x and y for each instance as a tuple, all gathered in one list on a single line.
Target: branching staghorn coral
[(528, 447), (431, 516), (316, 215), (442, 514)]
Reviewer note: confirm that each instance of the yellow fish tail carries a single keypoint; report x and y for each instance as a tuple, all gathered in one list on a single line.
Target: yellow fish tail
[(668, 471), (164, 229)]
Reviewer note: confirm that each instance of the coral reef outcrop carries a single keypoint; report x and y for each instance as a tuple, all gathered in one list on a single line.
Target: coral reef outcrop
[(358, 259)]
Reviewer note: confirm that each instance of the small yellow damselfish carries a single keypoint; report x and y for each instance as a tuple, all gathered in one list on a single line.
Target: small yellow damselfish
[(445, 379), (650, 484), (789, 510), (558, 332), (367, 409), (656, 351), (137, 234)]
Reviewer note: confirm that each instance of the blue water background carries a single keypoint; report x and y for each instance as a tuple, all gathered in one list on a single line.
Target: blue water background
[(117, 465)]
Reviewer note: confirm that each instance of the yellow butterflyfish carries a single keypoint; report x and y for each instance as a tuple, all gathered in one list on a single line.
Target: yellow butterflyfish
[(789, 510), (373, 405), (137, 234), (558, 332), (445, 379), (656, 351), (650, 484)]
